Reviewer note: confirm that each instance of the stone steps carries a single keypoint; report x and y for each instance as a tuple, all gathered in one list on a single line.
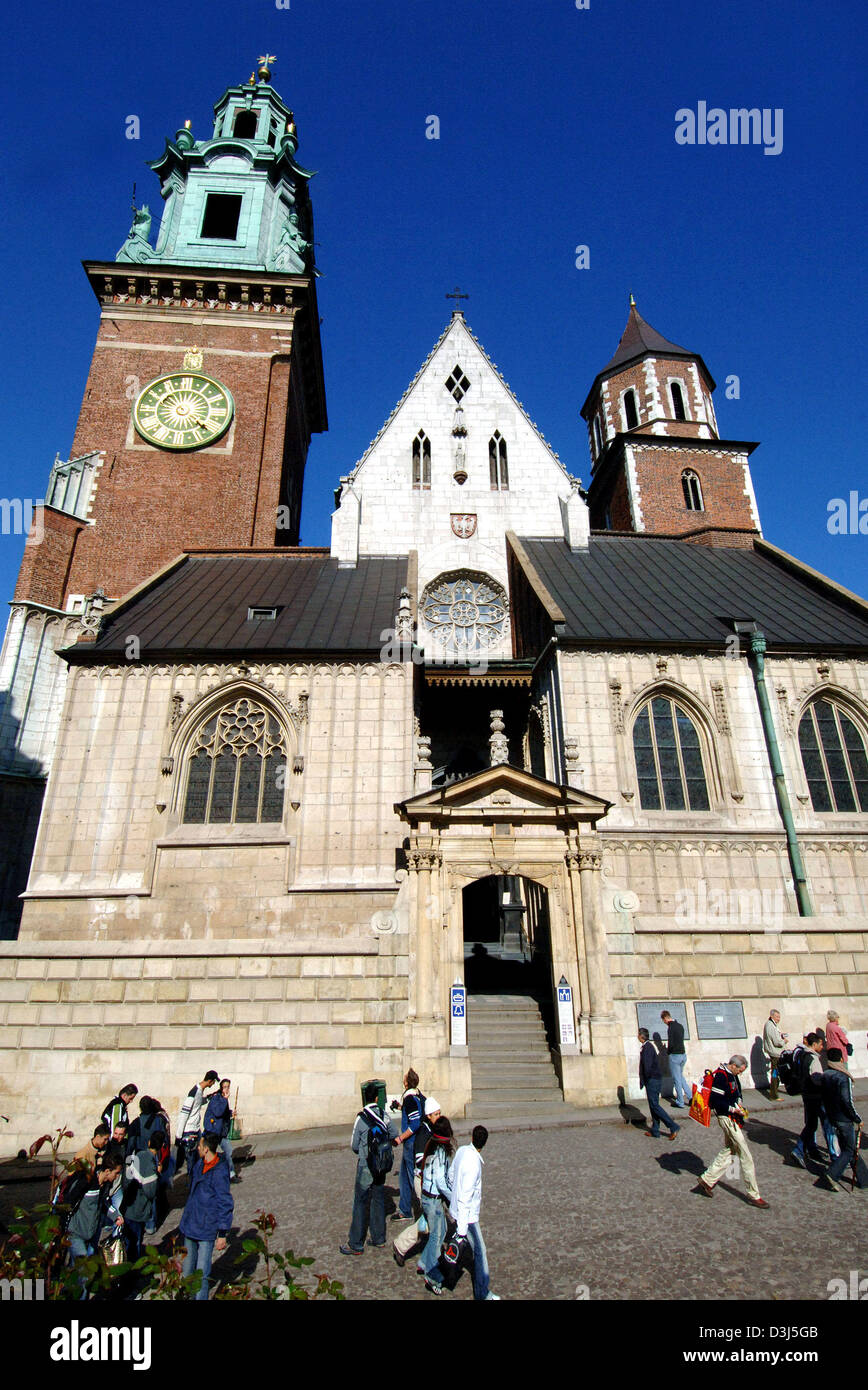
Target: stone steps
[(510, 1064)]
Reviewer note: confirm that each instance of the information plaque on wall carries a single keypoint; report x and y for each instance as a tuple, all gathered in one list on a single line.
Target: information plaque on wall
[(724, 1019), (649, 1011)]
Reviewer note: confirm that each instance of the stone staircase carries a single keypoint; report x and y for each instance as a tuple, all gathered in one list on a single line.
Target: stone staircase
[(510, 1066)]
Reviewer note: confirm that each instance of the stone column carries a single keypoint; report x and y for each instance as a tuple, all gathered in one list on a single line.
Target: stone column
[(425, 867), (605, 1033)]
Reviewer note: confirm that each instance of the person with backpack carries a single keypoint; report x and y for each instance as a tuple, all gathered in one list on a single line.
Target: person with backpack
[(837, 1093), (207, 1216), (148, 1121), (89, 1208), (805, 1071), (412, 1111), (725, 1101), (436, 1195), (115, 1112), (413, 1234), (774, 1042), (218, 1120), (141, 1172), (189, 1126), (374, 1137)]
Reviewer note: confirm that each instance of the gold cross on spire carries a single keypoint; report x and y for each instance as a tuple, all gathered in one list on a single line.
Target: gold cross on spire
[(265, 59)]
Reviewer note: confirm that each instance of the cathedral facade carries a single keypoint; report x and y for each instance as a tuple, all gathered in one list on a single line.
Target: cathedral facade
[(599, 749)]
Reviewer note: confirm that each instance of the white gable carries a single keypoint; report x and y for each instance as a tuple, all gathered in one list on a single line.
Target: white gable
[(381, 512)]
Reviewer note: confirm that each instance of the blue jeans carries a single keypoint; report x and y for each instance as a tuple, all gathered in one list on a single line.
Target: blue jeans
[(435, 1214), (78, 1250), (199, 1255), (226, 1149), (480, 1262), (814, 1111), (405, 1187), (677, 1061), (369, 1203), (652, 1095), (134, 1239)]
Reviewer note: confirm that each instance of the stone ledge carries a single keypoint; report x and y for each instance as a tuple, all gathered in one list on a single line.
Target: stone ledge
[(272, 946), (803, 925)]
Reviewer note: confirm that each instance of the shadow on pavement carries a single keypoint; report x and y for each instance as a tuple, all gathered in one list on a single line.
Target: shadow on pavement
[(631, 1114)]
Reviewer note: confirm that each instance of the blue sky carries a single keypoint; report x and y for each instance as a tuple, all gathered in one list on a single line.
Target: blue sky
[(557, 128)]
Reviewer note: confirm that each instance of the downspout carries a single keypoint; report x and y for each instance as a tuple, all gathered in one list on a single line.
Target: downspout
[(756, 657)]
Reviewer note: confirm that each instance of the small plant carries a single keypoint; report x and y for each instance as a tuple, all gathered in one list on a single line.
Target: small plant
[(37, 1248), (279, 1281), (55, 1142)]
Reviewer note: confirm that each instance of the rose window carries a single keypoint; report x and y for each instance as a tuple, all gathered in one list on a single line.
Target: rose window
[(464, 613)]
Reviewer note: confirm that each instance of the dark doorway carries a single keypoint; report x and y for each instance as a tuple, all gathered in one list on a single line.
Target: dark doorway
[(507, 944)]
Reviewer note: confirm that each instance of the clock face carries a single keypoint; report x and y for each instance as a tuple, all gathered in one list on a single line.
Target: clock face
[(183, 411)]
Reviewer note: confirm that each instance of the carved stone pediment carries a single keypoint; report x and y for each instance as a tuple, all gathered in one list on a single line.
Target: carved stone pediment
[(504, 794)]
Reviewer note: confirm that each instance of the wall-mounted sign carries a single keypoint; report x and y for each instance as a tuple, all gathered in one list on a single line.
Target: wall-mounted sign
[(722, 1019), (648, 1016), (458, 1014), (566, 1019)]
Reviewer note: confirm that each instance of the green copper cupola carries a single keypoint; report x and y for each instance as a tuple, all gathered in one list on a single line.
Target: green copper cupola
[(237, 199)]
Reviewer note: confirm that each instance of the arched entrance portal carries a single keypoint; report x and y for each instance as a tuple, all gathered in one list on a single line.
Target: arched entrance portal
[(507, 936)]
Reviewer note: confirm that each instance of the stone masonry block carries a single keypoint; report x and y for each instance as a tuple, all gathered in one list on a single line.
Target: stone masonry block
[(186, 1013), (62, 970), (98, 1038), (127, 968), (45, 994)]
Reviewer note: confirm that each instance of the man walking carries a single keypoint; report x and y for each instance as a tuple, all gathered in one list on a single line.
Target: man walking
[(189, 1126), (373, 1134), (725, 1101), (837, 1093), (677, 1059), (464, 1209), (806, 1060), (774, 1042), (208, 1213), (651, 1080)]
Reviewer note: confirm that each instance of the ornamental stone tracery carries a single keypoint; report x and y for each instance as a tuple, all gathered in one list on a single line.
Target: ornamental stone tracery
[(464, 612)]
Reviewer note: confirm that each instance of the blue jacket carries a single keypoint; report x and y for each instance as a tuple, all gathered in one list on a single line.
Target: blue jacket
[(837, 1092), (218, 1117), (210, 1208)]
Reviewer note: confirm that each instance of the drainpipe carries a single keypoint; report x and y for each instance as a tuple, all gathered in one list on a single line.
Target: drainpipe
[(756, 657)]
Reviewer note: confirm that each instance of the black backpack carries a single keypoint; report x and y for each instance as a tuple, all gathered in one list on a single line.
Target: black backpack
[(70, 1194), (456, 1255), (379, 1153), (790, 1070)]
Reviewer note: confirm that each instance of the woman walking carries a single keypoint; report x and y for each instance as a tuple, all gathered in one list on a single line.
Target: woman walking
[(436, 1195)]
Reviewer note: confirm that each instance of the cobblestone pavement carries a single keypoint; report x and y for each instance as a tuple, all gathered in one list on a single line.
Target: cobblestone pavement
[(597, 1206)]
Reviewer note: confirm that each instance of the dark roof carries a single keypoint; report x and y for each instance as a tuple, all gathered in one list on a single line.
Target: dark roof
[(636, 590), (639, 340), (201, 606)]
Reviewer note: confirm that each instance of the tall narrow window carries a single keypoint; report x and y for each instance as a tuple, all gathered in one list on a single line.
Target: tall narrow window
[(631, 413), (497, 465), (598, 435), (677, 400), (692, 491), (668, 758), (236, 770), (422, 461), (833, 756)]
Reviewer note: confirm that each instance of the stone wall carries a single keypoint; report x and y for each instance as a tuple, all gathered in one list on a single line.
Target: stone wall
[(298, 1026)]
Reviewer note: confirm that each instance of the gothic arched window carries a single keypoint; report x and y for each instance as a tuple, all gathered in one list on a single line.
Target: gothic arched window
[(236, 767), (833, 756), (422, 460), (497, 467), (677, 400), (692, 491), (631, 411), (465, 613), (668, 756)]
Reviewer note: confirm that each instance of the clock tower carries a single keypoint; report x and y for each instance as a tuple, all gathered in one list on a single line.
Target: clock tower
[(205, 387)]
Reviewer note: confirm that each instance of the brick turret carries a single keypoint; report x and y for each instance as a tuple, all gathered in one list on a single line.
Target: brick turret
[(658, 462)]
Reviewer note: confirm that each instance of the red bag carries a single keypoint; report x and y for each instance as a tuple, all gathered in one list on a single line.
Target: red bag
[(700, 1106)]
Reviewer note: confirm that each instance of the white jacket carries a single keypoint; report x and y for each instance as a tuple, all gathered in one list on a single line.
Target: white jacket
[(466, 1187), (190, 1114)]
